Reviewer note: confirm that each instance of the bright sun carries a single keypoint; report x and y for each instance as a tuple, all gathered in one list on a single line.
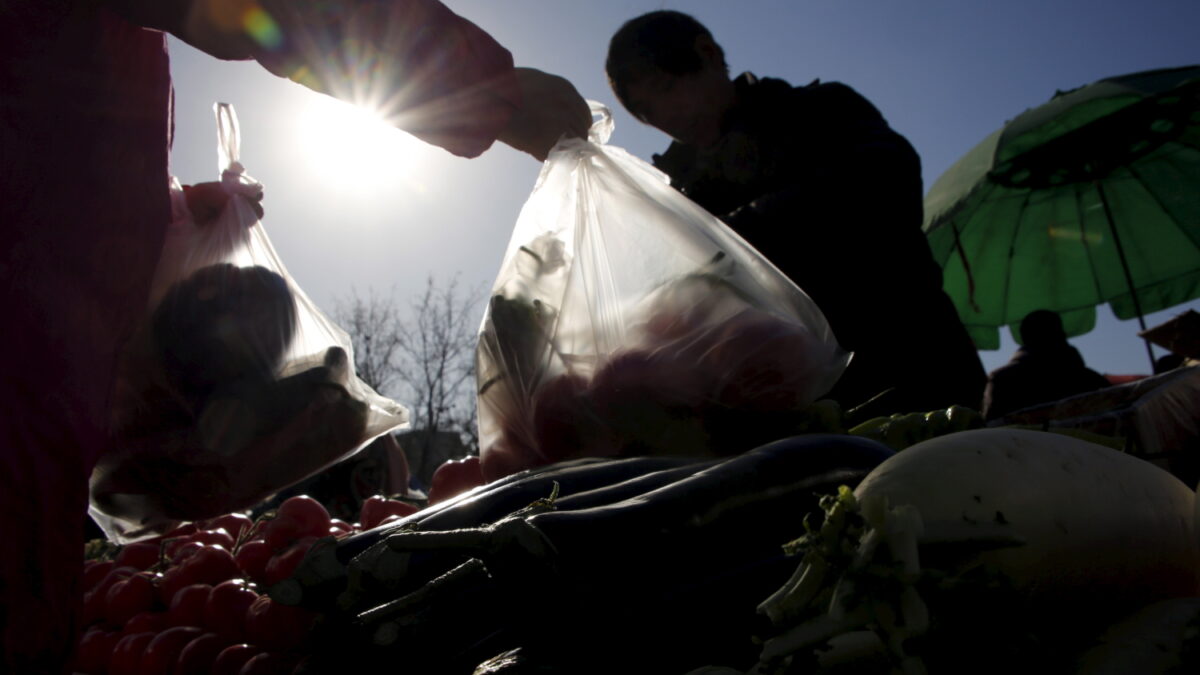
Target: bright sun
[(353, 149)]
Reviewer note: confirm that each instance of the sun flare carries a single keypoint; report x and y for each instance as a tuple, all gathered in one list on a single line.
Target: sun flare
[(353, 149)]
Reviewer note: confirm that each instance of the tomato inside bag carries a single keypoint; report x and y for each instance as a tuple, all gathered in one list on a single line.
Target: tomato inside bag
[(627, 320), (234, 385)]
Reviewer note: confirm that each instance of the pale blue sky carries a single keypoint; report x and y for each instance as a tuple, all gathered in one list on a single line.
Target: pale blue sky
[(944, 72)]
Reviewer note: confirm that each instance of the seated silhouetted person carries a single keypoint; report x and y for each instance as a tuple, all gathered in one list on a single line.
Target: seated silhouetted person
[(1045, 368)]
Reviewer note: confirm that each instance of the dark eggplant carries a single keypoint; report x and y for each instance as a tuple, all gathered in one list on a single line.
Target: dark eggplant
[(662, 580)]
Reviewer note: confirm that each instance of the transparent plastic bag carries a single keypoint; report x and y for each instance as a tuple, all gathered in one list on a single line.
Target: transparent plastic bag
[(627, 320), (235, 385)]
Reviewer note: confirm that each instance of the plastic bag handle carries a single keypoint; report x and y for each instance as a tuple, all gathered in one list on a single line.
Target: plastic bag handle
[(602, 128), (229, 138)]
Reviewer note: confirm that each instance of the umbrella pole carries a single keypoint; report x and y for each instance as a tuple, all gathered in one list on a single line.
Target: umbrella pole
[(1137, 306)]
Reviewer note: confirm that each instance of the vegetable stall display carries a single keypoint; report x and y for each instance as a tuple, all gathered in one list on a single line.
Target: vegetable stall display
[(984, 551)]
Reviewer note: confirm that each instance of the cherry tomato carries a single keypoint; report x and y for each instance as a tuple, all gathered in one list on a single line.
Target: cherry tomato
[(277, 627), (127, 655), (163, 651), (232, 658), (297, 517), (375, 509), (146, 622), (252, 559), (95, 650), (187, 605), (94, 571), (270, 663), (199, 655), (218, 537), (455, 477), (212, 565), (130, 597), (142, 555), (284, 563), (225, 612), (233, 523), (180, 550), (95, 602)]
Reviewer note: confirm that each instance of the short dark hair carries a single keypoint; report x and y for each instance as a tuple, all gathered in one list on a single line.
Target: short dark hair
[(664, 40), (1042, 327)]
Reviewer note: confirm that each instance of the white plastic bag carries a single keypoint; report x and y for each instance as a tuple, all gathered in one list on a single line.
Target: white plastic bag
[(627, 320), (235, 385)]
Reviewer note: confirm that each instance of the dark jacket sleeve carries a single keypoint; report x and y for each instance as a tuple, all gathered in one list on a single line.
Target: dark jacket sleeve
[(429, 71)]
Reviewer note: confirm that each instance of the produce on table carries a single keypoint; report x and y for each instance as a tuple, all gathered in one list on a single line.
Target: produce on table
[(651, 564), (1014, 544), (455, 477), (180, 611)]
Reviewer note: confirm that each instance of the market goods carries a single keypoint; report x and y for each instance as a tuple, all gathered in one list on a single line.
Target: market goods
[(452, 478), (376, 508), (195, 600), (1056, 536), (625, 558)]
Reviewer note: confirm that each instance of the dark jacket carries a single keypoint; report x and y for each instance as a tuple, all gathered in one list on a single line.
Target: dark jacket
[(1038, 375), (815, 179)]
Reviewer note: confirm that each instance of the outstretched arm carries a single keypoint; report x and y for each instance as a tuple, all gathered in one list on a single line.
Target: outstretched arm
[(431, 72)]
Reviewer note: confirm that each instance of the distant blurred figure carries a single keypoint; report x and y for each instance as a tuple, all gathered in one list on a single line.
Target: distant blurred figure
[(1045, 368)]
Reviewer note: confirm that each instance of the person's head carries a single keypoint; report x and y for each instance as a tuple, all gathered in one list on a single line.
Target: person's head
[(1042, 327), (667, 70)]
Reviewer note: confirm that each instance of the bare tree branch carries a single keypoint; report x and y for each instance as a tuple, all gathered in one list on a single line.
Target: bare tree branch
[(424, 358)]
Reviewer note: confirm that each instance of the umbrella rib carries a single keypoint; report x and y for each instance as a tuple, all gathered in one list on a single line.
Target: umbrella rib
[(1087, 247), (1146, 186), (1012, 249)]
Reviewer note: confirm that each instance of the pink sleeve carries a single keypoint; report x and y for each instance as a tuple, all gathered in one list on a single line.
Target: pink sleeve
[(433, 73)]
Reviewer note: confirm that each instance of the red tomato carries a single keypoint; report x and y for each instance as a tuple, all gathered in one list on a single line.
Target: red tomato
[(338, 527), (284, 563), (163, 651), (563, 419), (233, 523), (218, 537), (199, 655), (146, 622), (95, 602), (225, 612), (232, 658), (297, 517), (130, 597), (277, 627), (142, 555), (94, 571), (182, 549), (270, 663), (127, 655), (252, 558), (375, 509), (454, 477), (95, 650), (213, 564), (505, 457), (187, 605)]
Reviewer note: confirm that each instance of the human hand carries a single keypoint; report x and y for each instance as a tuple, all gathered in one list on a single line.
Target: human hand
[(550, 109), (205, 201)]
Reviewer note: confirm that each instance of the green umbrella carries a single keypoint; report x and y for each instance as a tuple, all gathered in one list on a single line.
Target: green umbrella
[(1092, 197)]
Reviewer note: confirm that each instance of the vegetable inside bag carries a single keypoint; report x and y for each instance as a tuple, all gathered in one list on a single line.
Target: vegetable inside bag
[(235, 385), (627, 320)]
